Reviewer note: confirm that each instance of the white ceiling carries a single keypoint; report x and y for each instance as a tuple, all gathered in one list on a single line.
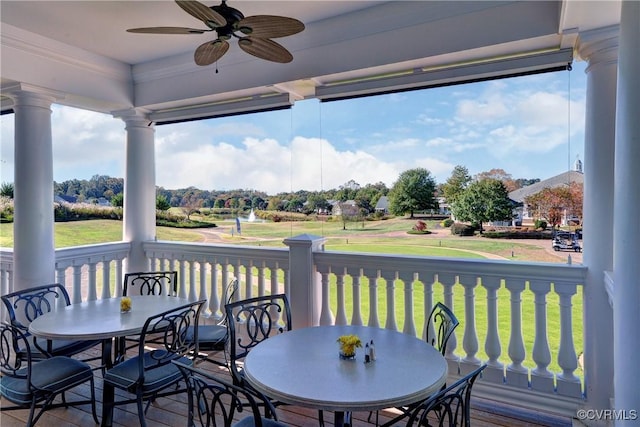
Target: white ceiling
[(81, 48)]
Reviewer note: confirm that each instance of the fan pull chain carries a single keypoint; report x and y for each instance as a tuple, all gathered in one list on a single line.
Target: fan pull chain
[(216, 67)]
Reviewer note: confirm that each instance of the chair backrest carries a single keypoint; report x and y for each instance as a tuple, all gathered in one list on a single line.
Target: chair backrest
[(151, 283), (229, 293), (448, 407), (25, 305), (251, 321), (444, 322), (212, 398), (164, 337), (15, 355)]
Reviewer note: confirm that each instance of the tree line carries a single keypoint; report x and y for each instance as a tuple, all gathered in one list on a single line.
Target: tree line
[(478, 199)]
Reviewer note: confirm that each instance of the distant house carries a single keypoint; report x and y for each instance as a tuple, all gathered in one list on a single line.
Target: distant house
[(350, 207), (518, 196), (382, 205)]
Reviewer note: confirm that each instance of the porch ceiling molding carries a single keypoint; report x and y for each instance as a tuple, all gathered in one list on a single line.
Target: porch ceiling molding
[(63, 46)]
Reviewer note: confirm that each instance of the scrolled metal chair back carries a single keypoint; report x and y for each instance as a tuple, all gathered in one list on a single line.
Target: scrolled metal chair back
[(11, 364), (24, 306), (252, 321), (214, 402), (449, 407), (444, 322), (167, 333), (151, 283)]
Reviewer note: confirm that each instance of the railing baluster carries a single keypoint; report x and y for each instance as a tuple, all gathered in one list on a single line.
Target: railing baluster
[(541, 377), (428, 279), (106, 279), (494, 371), (182, 272), (470, 338), (356, 316), (408, 279), (76, 296), (214, 297), (517, 375), (389, 278), (372, 278), (341, 311), (326, 318), (261, 279), (448, 281), (568, 383)]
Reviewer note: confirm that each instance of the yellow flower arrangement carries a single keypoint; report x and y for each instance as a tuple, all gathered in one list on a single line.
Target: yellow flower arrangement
[(125, 304), (348, 344)]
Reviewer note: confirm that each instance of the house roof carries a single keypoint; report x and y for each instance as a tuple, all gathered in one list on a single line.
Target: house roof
[(555, 181)]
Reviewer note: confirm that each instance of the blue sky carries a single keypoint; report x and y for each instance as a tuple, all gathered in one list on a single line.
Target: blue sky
[(520, 125)]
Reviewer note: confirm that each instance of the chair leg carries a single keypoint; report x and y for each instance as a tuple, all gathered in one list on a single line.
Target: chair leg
[(141, 412), (93, 402), (32, 410)]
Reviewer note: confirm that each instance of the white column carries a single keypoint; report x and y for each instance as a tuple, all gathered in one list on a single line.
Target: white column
[(599, 48), (626, 231), (139, 217), (33, 227), (305, 295)]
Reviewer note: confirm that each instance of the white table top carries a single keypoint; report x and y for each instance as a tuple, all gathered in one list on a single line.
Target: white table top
[(101, 319), (302, 367)]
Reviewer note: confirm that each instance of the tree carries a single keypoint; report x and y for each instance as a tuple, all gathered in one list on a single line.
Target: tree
[(118, 200), (483, 201), (413, 191), (500, 175), (456, 184), (6, 190), (162, 204), (550, 203)]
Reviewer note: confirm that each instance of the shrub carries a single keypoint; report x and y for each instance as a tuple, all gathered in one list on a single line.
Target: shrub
[(540, 224), (460, 229), (446, 223)]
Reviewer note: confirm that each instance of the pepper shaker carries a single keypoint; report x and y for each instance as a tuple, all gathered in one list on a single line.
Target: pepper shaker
[(372, 351)]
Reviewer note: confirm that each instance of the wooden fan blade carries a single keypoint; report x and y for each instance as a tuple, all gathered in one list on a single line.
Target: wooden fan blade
[(199, 11), (167, 30), (209, 52), (269, 26), (265, 49)]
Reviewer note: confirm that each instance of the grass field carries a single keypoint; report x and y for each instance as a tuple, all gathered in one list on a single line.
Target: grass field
[(372, 237)]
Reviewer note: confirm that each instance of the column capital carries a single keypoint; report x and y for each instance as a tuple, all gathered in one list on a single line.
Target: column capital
[(27, 94), (134, 117), (599, 46)]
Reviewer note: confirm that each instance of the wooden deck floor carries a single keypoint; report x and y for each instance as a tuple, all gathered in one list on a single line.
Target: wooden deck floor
[(172, 412)]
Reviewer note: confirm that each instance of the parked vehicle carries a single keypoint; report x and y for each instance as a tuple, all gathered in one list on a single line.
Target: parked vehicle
[(564, 240)]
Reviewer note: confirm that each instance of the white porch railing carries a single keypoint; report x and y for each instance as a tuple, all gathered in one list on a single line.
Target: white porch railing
[(355, 286)]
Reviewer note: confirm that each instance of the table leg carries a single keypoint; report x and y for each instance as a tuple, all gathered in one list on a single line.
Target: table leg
[(108, 396)]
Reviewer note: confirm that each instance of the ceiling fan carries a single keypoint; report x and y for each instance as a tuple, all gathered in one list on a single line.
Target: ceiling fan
[(254, 33)]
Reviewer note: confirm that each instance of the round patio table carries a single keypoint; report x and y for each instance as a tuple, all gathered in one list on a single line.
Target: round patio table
[(302, 367)]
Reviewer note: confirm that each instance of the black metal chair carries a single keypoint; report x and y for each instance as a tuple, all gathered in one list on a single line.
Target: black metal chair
[(214, 338), (443, 322), (151, 283), (150, 374), (449, 407), (145, 283), (251, 321), (35, 384), (25, 305), (214, 402)]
